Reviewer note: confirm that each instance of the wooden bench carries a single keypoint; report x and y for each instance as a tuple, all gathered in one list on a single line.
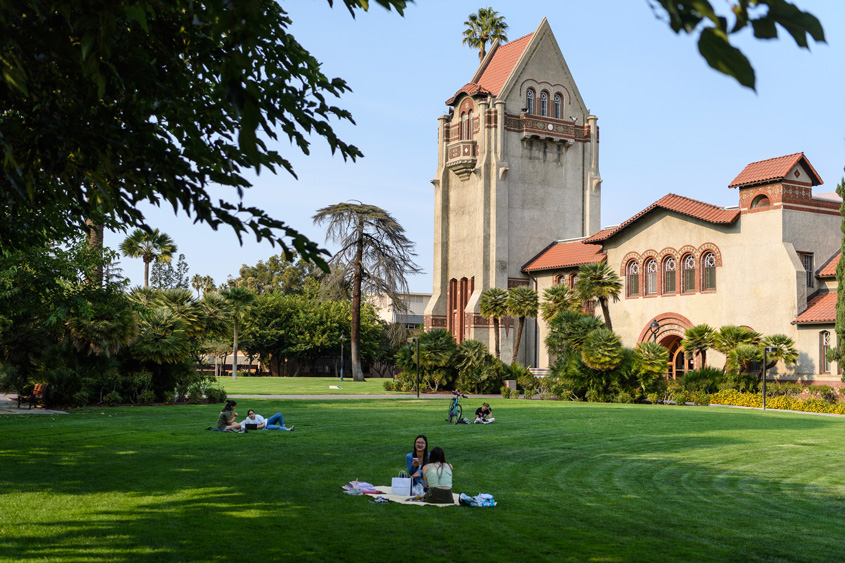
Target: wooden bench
[(39, 393)]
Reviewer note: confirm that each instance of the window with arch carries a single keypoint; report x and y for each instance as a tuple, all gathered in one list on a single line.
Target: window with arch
[(560, 279), (633, 275), (708, 263), (824, 346), (650, 286), (469, 124), (670, 274), (558, 106), (760, 202), (573, 279), (544, 103), (463, 126), (529, 101), (688, 264)]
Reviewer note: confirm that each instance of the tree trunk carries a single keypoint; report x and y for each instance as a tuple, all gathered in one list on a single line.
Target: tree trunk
[(355, 313), (235, 356), (518, 338), (606, 312), (95, 244), (496, 337), (147, 272)]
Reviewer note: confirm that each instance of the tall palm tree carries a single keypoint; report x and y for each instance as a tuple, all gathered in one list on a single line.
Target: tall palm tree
[(522, 303), (375, 254), (599, 281), (238, 298), (150, 246), (483, 27), (784, 350), (197, 282), (494, 305), (556, 299), (697, 340)]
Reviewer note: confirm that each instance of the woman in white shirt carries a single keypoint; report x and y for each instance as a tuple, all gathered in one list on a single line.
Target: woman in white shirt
[(438, 475)]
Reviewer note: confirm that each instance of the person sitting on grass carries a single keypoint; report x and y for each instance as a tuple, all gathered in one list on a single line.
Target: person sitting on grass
[(484, 414), (416, 460), (438, 475), (275, 422), (226, 420)]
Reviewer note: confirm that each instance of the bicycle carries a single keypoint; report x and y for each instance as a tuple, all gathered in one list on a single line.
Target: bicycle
[(455, 409)]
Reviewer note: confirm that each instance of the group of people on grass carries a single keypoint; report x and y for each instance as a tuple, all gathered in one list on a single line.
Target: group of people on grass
[(226, 422)]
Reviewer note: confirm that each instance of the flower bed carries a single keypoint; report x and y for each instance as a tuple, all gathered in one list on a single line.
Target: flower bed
[(783, 402)]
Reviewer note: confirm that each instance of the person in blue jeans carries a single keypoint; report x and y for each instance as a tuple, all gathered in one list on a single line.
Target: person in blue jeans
[(416, 460), (275, 422)]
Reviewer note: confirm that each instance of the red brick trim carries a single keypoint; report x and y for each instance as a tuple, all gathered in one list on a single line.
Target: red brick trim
[(434, 321), (670, 323), (517, 282)]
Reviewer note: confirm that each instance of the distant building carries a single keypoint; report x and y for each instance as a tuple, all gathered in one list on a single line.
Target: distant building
[(411, 318)]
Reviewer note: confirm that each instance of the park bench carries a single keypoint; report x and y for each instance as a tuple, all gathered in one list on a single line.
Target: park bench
[(39, 393)]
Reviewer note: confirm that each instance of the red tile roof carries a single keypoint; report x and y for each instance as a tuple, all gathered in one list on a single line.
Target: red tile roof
[(820, 309), (563, 255), (498, 69), (828, 270), (678, 204), (774, 169)]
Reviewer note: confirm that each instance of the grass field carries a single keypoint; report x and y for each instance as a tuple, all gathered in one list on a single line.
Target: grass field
[(574, 481), (302, 386)]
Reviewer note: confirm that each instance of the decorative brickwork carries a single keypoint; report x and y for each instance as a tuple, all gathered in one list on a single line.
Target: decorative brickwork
[(670, 324), (547, 127), (491, 118), (517, 282), (434, 321)]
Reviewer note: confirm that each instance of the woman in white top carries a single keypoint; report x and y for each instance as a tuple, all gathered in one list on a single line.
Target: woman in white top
[(438, 475)]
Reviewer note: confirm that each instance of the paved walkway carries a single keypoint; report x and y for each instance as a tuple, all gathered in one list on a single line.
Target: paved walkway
[(9, 405)]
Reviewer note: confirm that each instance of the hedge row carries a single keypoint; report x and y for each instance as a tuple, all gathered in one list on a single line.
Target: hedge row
[(783, 402)]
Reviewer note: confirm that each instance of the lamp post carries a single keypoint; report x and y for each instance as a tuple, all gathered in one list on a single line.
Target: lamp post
[(416, 340), (654, 326), (766, 350), (342, 338)]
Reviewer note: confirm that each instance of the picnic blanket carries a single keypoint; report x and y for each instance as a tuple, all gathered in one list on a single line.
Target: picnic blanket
[(367, 490), (402, 499)]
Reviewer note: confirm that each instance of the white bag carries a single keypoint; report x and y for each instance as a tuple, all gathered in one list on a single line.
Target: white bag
[(401, 485)]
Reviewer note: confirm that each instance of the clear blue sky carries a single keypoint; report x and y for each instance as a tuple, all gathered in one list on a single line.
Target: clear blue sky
[(668, 122)]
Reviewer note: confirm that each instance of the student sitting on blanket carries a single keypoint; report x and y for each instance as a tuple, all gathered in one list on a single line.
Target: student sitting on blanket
[(275, 422), (416, 460), (226, 420), (438, 474)]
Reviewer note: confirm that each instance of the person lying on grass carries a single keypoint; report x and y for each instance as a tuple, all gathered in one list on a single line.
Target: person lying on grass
[(275, 422), (484, 414), (438, 475), (226, 420), (416, 460)]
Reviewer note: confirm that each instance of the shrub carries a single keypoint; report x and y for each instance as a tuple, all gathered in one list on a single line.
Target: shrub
[(506, 392), (824, 392), (680, 398), (112, 399), (705, 379), (194, 396), (148, 397), (653, 398), (80, 398), (216, 394), (623, 397), (700, 398), (389, 385)]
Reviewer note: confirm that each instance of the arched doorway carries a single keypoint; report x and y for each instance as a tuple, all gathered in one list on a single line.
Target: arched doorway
[(669, 333)]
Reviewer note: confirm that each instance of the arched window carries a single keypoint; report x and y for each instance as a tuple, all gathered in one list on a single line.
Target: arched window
[(559, 279), (544, 103), (633, 272), (573, 279), (670, 274), (469, 124), (558, 106), (760, 202), (824, 346), (463, 126), (709, 265), (650, 287), (688, 263), (529, 101)]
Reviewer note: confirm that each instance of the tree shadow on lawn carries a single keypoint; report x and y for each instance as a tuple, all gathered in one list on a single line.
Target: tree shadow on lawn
[(589, 483)]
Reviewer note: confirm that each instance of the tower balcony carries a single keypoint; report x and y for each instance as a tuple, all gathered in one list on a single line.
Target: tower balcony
[(461, 158), (546, 128)]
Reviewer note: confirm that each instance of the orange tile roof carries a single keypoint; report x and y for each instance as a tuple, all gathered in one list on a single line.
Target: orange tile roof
[(563, 255), (774, 169), (678, 204), (828, 270), (498, 69), (820, 309)]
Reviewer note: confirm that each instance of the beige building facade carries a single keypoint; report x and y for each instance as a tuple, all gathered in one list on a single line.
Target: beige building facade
[(517, 202)]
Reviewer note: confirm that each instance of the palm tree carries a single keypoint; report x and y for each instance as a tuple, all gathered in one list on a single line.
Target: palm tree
[(731, 336), (239, 298), (556, 299), (569, 329), (602, 350), (208, 285), (784, 350), (599, 281), (150, 246), (651, 361), (197, 282), (483, 27), (697, 340), (375, 254), (522, 303), (494, 305), (109, 326)]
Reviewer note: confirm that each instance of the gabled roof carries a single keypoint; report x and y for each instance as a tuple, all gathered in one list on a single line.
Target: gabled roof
[(495, 68), (828, 269), (774, 169), (820, 310), (563, 254), (677, 204)]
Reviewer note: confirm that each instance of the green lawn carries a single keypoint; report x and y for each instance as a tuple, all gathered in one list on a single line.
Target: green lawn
[(302, 386), (574, 481)]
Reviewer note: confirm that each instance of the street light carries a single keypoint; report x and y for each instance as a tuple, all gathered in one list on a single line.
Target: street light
[(655, 326), (417, 341), (342, 338), (766, 350)]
